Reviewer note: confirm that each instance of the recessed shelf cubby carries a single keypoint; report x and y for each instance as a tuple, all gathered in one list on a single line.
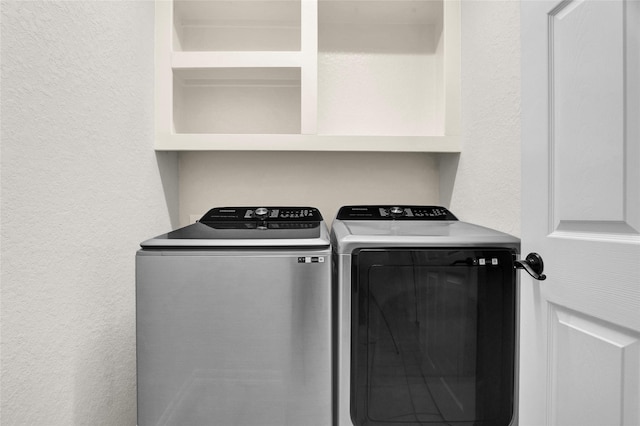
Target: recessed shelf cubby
[(240, 25), (236, 100)]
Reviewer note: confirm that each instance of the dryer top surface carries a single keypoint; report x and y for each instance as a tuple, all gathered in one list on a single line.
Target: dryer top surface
[(349, 235)]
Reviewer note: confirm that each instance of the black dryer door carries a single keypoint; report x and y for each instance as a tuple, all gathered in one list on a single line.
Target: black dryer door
[(433, 337)]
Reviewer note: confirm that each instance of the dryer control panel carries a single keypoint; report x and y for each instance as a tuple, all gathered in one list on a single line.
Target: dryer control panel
[(389, 212)]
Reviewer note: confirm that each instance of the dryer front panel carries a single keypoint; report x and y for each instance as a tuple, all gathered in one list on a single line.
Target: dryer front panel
[(433, 337)]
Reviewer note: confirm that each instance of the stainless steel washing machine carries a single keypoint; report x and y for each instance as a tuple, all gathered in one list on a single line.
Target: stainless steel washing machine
[(233, 320), (425, 316)]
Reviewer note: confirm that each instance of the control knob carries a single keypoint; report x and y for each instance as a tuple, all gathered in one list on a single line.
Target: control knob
[(396, 211), (261, 212)]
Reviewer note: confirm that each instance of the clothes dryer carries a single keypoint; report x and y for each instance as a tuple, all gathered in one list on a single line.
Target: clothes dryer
[(233, 320), (426, 319)]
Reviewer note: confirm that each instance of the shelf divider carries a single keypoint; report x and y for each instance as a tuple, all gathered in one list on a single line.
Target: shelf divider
[(309, 70)]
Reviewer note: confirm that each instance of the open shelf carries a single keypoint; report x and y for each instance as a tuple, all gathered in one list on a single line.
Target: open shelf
[(237, 100), (300, 142), (381, 68), (239, 25)]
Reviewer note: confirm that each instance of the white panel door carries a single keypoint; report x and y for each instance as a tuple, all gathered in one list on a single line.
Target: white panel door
[(580, 329)]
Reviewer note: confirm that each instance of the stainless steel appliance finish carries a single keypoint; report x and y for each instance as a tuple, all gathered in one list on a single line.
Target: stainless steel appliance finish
[(233, 321), (425, 317)]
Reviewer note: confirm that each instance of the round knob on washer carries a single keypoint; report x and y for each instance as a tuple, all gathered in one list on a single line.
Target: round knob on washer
[(261, 212), (396, 211)]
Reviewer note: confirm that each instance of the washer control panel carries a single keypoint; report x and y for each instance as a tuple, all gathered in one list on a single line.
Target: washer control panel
[(283, 213), (276, 216), (390, 212)]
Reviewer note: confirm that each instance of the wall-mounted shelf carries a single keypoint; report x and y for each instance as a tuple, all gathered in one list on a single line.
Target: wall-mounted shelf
[(317, 75), (299, 142)]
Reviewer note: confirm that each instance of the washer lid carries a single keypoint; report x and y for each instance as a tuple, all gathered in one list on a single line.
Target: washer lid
[(247, 227)]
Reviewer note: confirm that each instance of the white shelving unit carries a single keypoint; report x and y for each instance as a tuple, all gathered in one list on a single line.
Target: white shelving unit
[(317, 75)]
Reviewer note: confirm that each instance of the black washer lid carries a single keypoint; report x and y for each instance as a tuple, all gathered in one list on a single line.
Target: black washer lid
[(249, 227), (397, 212)]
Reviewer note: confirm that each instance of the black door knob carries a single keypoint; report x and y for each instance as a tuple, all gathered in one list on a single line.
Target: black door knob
[(534, 265)]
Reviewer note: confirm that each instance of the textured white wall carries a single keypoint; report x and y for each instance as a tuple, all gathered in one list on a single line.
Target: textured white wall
[(486, 187), (324, 180), (81, 188)]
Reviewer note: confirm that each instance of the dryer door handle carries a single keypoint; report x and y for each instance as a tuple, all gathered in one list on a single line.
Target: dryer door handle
[(534, 265)]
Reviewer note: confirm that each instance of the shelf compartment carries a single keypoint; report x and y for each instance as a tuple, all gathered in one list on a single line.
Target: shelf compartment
[(381, 68), (237, 100), (236, 25)]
